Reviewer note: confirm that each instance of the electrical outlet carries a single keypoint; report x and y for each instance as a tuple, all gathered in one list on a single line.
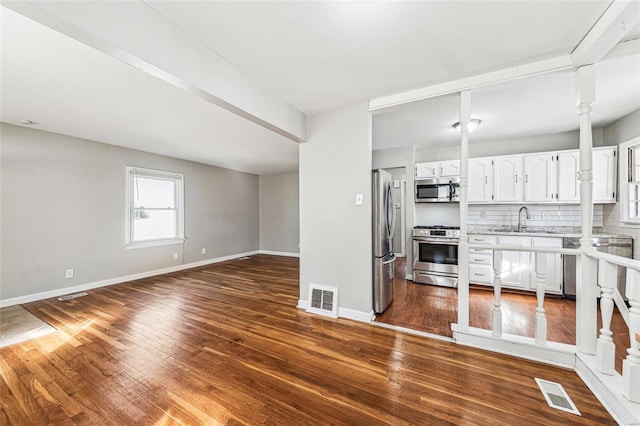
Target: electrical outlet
[(483, 214), (68, 273), (204, 250), (175, 256)]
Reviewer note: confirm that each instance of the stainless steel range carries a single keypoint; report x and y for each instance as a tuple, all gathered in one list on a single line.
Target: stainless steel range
[(435, 255)]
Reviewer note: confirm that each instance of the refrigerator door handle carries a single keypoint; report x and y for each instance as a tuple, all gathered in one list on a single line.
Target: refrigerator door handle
[(392, 216), (393, 258)]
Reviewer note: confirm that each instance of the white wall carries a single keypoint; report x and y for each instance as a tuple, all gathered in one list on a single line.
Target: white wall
[(63, 206), (617, 132), (335, 233), (280, 212)]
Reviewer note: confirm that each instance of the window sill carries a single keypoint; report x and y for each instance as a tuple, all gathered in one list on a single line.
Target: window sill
[(143, 244)]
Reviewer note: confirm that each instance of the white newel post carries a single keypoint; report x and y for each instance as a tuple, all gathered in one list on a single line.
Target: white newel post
[(463, 246), (605, 348), (496, 316), (586, 287), (631, 364), (541, 320)]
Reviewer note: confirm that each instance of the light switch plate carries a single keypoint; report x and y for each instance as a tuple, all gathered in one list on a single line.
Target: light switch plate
[(359, 199)]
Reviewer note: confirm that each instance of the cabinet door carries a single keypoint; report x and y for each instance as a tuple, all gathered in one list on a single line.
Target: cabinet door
[(553, 272), (450, 168), (539, 177), (507, 178), (480, 180), (568, 170), (515, 264), (427, 170), (604, 175)]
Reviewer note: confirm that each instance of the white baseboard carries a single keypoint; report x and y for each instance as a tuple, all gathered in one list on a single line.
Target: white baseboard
[(279, 253), (356, 315), (607, 390), (111, 281), (343, 312), (557, 354), (409, 277)]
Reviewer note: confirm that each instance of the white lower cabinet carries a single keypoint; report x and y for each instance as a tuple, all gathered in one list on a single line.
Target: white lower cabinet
[(518, 267), (553, 275), (515, 264)]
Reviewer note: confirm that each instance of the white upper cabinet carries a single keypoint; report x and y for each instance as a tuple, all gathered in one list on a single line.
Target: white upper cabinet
[(604, 174), (507, 178), (480, 180), (438, 169), (568, 172), (540, 177), (427, 170), (450, 168)]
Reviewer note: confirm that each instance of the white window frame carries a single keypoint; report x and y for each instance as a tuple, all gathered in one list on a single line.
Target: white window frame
[(178, 179), (623, 182)]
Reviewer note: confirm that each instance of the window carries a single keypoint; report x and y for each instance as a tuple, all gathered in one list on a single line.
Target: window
[(155, 207), (630, 181)]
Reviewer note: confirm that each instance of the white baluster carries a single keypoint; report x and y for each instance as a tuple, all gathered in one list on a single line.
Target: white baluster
[(605, 348), (631, 365), (541, 320), (497, 287)]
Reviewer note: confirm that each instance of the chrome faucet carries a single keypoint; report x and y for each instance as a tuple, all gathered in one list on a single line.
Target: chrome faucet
[(520, 217)]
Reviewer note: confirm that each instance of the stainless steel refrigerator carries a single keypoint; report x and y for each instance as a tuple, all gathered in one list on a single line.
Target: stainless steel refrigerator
[(383, 227)]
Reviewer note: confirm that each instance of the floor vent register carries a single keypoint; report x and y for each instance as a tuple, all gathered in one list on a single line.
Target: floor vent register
[(556, 396), (72, 296)]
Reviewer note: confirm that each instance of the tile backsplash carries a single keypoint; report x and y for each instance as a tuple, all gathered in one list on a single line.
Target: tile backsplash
[(541, 215)]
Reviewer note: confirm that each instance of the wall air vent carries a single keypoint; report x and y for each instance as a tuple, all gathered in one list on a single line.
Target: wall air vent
[(323, 300), (556, 396)]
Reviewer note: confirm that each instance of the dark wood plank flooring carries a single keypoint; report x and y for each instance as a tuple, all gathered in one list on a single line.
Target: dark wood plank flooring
[(225, 344), (433, 309)]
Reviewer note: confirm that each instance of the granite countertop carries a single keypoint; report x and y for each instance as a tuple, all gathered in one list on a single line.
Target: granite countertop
[(535, 231)]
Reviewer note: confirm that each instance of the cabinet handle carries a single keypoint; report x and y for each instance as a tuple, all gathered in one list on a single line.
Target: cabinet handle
[(485, 179), (478, 274), (526, 178), (477, 260), (516, 178)]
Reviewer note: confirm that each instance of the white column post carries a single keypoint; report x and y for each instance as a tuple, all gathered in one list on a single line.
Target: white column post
[(541, 319), (463, 247), (631, 364), (496, 316), (605, 348), (586, 288)]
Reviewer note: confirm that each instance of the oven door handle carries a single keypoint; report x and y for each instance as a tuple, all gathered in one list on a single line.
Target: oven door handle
[(436, 241)]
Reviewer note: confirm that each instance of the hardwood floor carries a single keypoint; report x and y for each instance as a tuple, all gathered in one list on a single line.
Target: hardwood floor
[(225, 344), (433, 309)]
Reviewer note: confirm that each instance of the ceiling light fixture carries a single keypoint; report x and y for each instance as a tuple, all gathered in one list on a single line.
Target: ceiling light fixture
[(27, 122), (473, 124)]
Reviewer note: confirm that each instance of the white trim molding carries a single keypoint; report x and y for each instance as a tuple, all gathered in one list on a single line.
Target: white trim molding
[(279, 253), (343, 312), (118, 280), (557, 354)]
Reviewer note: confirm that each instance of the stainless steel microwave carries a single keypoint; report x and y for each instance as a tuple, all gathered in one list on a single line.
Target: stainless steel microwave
[(443, 190)]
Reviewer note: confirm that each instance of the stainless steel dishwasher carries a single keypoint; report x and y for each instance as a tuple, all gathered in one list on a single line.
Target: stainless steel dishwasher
[(621, 246)]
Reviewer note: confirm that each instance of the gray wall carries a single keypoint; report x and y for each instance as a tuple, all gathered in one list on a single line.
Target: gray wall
[(63, 206), (280, 212), (335, 233), (628, 127)]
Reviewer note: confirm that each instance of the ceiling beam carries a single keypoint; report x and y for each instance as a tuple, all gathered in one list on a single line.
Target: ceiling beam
[(619, 18), (137, 35), (534, 68)]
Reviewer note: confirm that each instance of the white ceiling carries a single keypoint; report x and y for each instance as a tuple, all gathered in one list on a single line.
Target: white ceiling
[(315, 55)]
